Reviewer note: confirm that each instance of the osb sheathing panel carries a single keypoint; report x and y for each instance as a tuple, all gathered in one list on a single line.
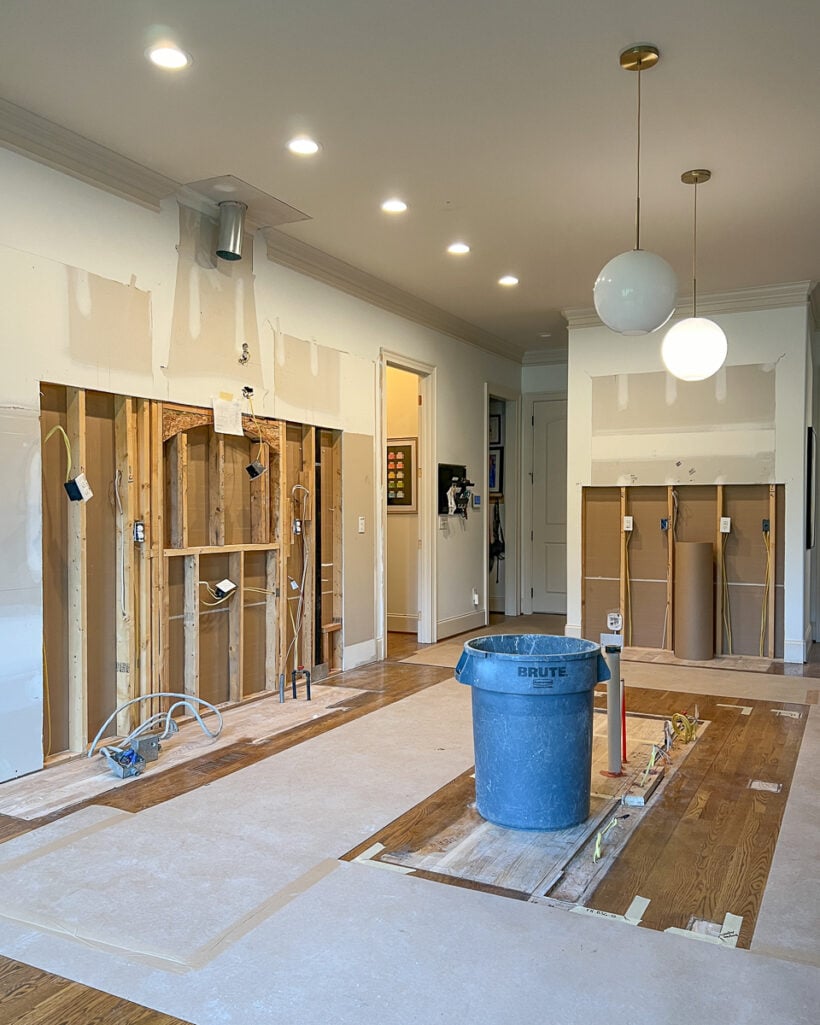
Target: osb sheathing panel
[(55, 574), (600, 597), (647, 548), (103, 601), (697, 509), (648, 608), (253, 666), (602, 538)]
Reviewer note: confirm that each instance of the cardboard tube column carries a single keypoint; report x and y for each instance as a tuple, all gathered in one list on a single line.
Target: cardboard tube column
[(694, 600)]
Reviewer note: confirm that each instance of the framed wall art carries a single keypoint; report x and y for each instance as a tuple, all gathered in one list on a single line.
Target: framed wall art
[(495, 479), (495, 429), (401, 475)]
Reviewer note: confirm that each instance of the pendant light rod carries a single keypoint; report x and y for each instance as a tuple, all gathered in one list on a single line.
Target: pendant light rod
[(639, 58), (695, 177)]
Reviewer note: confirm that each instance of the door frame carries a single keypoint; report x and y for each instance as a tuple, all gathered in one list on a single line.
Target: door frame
[(512, 497), (526, 503), (426, 451)]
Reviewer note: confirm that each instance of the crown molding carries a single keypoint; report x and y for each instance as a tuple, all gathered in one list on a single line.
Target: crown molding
[(545, 357), (814, 305), (48, 143), (741, 300), (314, 263)]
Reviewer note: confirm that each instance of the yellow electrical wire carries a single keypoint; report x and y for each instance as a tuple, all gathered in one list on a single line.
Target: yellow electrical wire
[(727, 612), (47, 697), (67, 443), (628, 609), (766, 585)]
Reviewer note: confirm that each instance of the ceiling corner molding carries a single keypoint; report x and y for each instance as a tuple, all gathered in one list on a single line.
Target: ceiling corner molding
[(545, 357), (35, 137), (739, 300), (314, 263)]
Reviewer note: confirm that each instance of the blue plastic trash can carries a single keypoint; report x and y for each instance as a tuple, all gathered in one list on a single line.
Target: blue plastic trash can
[(532, 726)]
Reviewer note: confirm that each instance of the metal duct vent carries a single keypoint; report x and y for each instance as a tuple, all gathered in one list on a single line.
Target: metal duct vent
[(231, 230)]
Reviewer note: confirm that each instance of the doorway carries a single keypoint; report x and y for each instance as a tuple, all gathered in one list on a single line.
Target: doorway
[(549, 506), (407, 564)]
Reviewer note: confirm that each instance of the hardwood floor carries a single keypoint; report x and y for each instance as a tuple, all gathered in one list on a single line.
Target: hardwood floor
[(31, 997), (704, 849)]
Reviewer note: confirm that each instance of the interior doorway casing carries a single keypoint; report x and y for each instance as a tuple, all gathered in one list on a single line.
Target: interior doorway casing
[(426, 373), (512, 498)]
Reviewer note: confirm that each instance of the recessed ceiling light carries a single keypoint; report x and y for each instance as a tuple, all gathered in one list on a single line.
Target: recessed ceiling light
[(168, 56), (303, 146), (394, 206), (458, 248), (508, 280)]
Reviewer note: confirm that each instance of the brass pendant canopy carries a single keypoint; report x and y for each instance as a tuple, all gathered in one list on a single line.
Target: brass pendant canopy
[(640, 57), (696, 177)]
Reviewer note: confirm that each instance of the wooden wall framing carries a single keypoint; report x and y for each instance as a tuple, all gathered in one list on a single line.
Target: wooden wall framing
[(124, 617), (634, 573)]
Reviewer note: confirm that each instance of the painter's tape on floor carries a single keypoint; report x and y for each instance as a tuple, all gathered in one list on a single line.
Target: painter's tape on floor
[(727, 937), (632, 916), (203, 955), (368, 858)]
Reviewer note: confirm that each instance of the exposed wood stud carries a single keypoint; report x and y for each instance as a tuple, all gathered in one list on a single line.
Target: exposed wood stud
[(216, 501), (273, 604), (125, 442), (190, 623), (178, 489), (143, 514), (77, 582), (236, 618)]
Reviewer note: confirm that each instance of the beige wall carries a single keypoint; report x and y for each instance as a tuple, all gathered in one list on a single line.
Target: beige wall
[(402, 402)]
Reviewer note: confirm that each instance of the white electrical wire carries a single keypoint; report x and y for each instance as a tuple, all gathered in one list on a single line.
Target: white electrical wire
[(185, 701)]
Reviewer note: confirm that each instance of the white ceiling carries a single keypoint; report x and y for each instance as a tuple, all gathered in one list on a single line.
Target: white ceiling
[(509, 125)]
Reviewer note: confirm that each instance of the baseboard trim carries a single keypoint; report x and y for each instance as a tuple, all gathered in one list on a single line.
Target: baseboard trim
[(359, 654), (459, 624), (403, 624), (795, 651), (572, 630)]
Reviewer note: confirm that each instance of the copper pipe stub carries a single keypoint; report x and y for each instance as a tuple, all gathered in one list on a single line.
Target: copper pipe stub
[(696, 177), (640, 57)]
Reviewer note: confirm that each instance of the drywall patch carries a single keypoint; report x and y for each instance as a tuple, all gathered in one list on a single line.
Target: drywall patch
[(108, 322), (308, 375), (214, 306)]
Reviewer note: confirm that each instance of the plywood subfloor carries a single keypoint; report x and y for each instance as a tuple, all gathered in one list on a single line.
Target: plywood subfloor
[(743, 663)]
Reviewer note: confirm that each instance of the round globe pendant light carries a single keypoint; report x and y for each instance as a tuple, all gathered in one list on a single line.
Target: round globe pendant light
[(635, 292), (695, 348)]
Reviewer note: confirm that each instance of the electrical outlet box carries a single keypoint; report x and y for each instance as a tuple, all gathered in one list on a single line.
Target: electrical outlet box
[(139, 532), (664, 523), (725, 524), (766, 527), (255, 469), (224, 588), (78, 489), (627, 523), (361, 524)]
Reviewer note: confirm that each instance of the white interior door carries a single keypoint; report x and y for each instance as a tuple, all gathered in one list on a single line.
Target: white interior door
[(549, 506)]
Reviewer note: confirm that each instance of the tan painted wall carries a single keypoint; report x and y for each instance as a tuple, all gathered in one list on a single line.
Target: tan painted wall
[(402, 528)]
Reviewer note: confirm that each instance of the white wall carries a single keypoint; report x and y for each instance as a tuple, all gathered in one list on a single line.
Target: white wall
[(775, 339), (313, 353)]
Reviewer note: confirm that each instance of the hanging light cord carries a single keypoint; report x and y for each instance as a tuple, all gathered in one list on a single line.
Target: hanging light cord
[(695, 252), (638, 173)]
